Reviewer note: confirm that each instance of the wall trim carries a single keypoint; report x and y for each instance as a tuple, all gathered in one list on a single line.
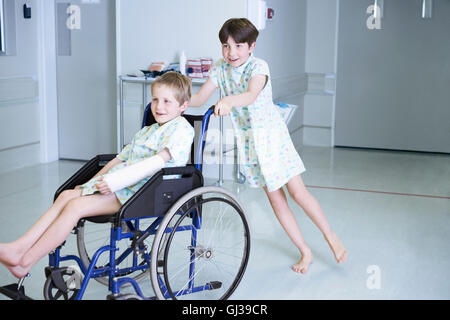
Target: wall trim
[(19, 146), (288, 86), (18, 157)]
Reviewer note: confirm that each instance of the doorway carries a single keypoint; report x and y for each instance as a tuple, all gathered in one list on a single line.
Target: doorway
[(86, 78)]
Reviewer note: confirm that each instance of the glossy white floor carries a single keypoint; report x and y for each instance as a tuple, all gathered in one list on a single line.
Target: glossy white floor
[(390, 209)]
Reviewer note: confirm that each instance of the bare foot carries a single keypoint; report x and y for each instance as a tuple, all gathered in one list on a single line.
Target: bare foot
[(8, 256), (340, 254), (303, 265), (11, 259), (18, 271)]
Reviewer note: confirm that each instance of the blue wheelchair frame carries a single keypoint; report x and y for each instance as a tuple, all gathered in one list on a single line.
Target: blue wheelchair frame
[(117, 234)]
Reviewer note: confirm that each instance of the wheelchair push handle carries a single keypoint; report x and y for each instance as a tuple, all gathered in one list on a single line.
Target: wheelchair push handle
[(202, 140), (210, 111)]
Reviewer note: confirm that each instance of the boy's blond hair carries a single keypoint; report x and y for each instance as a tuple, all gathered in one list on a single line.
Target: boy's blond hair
[(178, 82)]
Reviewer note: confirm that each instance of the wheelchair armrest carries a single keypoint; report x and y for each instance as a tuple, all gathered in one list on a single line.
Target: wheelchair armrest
[(85, 173), (187, 170), (162, 190)]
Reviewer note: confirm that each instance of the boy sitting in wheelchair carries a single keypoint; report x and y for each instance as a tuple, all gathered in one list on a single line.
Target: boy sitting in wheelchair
[(166, 143)]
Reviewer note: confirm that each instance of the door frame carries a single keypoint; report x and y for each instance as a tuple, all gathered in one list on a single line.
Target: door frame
[(48, 103)]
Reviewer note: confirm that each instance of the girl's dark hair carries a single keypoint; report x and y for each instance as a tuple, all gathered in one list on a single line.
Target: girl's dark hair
[(240, 29)]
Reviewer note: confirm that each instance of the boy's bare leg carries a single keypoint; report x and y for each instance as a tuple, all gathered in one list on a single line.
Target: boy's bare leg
[(309, 204), (61, 227), (287, 220), (11, 253)]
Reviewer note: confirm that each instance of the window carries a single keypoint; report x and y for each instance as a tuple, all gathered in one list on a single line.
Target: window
[(7, 27), (2, 29)]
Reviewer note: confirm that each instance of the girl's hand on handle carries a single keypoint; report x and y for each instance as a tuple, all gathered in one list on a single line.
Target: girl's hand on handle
[(222, 108), (103, 187)]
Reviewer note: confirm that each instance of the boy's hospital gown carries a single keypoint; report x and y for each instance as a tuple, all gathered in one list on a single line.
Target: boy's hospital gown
[(266, 152), (176, 135)]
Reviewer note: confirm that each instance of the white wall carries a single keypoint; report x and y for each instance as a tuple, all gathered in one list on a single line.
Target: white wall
[(282, 44), (393, 83), (153, 30), (320, 65), (19, 95), (48, 99)]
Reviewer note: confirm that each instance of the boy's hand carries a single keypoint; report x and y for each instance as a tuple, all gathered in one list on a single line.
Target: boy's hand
[(222, 108), (103, 187)]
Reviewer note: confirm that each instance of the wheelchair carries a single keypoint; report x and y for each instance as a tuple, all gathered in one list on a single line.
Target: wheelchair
[(191, 241)]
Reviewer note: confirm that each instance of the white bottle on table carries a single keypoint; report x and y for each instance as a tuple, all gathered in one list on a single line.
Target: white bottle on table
[(183, 62)]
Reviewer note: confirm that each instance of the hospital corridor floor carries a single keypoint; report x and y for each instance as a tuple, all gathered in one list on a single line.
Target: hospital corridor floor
[(390, 209)]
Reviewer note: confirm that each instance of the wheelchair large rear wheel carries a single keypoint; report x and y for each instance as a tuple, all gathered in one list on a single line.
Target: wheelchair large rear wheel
[(201, 248)]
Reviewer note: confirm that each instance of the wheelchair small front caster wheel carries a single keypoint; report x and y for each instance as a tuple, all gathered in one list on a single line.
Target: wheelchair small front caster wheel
[(61, 284)]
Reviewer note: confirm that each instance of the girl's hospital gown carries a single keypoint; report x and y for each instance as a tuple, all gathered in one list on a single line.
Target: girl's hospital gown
[(266, 152), (176, 135)]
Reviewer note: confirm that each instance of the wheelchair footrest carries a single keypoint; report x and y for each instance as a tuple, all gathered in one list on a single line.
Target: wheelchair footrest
[(13, 293), (215, 285)]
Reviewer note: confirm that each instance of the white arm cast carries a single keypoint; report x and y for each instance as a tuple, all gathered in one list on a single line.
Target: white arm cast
[(132, 174)]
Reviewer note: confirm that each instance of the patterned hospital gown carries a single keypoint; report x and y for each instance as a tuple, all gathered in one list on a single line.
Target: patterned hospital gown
[(176, 135), (266, 152)]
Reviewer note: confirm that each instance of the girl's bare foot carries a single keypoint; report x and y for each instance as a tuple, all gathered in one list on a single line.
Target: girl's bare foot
[(8, 255), (11, 259), (340, 254), (303, 265), (18, 271)]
